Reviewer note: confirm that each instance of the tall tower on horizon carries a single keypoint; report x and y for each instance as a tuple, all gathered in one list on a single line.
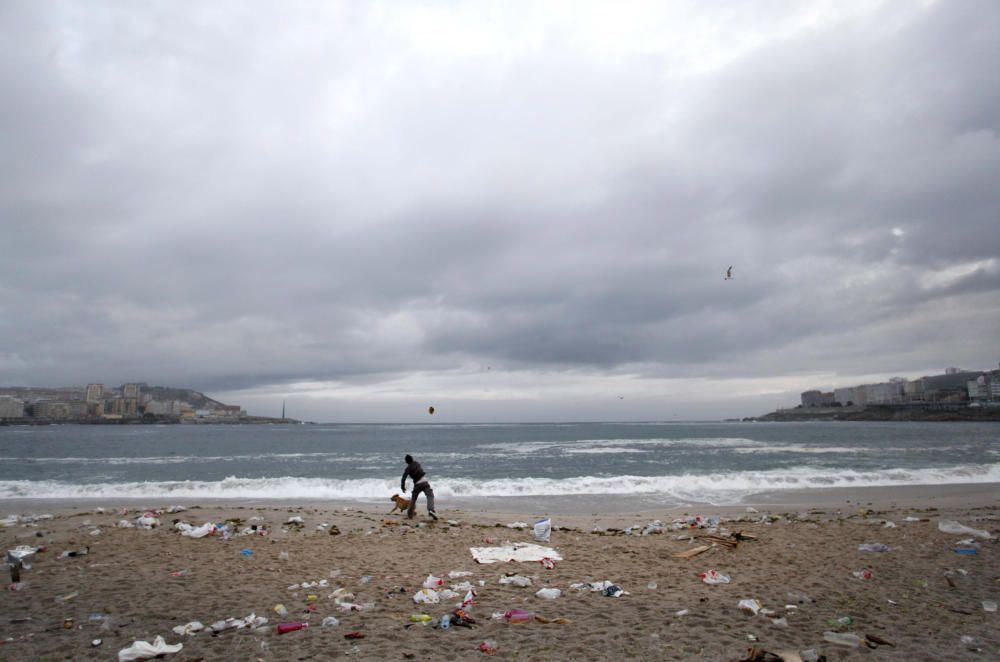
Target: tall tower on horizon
[(282, 408)]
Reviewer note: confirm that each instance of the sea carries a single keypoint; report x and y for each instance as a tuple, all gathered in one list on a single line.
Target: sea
[(650, 464)]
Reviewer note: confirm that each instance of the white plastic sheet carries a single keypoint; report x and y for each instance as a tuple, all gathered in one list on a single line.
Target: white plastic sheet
[(517, 552)]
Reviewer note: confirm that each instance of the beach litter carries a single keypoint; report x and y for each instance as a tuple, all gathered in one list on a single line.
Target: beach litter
[(873, 547), (966, 551), (330, 621), (990, 606), (191, 531), (548, 563), (488, 647), (147, 520), (542, 530), (74, 553), (843, 639), (189, 628), (514, 552), (953, 527), (549, 593), (749, 606), (614, 591), (143, 650), (871, 639), (864, 575), (714, 577), (455, 574), (251, 621), (518, 616), (516, 580), (433, 582), (22, 556), (427, 596), (517, 525), (282, 628)]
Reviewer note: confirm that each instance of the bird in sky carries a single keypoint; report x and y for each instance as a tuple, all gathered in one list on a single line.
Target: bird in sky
[(729, 274)]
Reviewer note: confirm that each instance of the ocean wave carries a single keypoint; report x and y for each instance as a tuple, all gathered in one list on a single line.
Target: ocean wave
[(719, 488), (701, 443)]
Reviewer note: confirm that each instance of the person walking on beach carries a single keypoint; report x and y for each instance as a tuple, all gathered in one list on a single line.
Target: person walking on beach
[(420, 484)]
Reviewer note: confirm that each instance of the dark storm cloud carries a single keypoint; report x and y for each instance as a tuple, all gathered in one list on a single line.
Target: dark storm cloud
[(236, 198)]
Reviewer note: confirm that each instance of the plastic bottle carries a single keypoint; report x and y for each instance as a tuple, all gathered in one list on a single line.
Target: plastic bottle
[(518, 616), (420, 618), (280, 609), (290, 627), (843, 638), (445, 622)]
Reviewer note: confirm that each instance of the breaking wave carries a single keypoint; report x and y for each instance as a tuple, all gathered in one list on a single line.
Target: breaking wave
[(720, 488)]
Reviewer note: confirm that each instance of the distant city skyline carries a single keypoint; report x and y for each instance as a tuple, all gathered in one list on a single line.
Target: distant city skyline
[(510, 212)]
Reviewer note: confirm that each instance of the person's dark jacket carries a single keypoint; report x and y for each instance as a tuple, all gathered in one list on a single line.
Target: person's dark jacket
[(414, 471)]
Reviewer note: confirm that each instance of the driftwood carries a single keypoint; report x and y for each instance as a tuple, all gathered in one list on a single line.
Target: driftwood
[(730, 542), (691, 553)]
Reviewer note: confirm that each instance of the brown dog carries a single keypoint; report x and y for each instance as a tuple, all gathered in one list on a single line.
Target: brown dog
[(401, 504)]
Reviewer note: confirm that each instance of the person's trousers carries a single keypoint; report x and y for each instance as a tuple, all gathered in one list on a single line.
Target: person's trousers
[(417, 489)]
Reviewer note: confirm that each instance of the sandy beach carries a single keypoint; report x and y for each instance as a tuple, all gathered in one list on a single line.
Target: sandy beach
[(802, 564)]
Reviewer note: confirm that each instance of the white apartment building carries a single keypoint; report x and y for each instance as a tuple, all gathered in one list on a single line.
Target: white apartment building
[(11, 407)]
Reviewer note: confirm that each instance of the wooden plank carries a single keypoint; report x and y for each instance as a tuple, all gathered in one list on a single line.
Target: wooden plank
[(691, 553)]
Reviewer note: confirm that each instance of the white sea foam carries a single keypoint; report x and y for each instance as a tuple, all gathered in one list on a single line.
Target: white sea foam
[(728, 487), (701, 443)]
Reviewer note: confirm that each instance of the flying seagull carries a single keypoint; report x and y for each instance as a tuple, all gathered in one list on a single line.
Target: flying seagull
[(729, 274)]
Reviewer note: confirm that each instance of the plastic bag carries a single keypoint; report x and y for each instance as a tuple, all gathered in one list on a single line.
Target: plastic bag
[(749, 606), (516, 580), (543, 529), (873, 547), (549, 593), (713, 577), (143, 650), (951, 526), (426, 596), (433, 582)]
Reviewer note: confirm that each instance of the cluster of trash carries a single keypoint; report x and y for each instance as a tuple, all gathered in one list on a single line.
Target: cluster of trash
[(431, 593), (224, 530), (24, 520)]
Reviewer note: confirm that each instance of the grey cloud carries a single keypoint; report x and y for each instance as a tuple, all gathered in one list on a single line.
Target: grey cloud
[(233, 199)]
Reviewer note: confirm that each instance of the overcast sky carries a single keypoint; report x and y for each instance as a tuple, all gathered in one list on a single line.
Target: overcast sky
[(510, 211)]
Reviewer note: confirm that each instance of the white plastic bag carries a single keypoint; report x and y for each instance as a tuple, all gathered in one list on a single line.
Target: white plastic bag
[(433, 582), (191, 531), (189, 628), (549, 593), (427, 596), (951, 526), (713, 577), (143, 650), (543, 529), (516, 580)]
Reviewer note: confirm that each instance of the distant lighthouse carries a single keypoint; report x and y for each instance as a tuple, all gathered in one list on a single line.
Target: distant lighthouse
[(282, 409)]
